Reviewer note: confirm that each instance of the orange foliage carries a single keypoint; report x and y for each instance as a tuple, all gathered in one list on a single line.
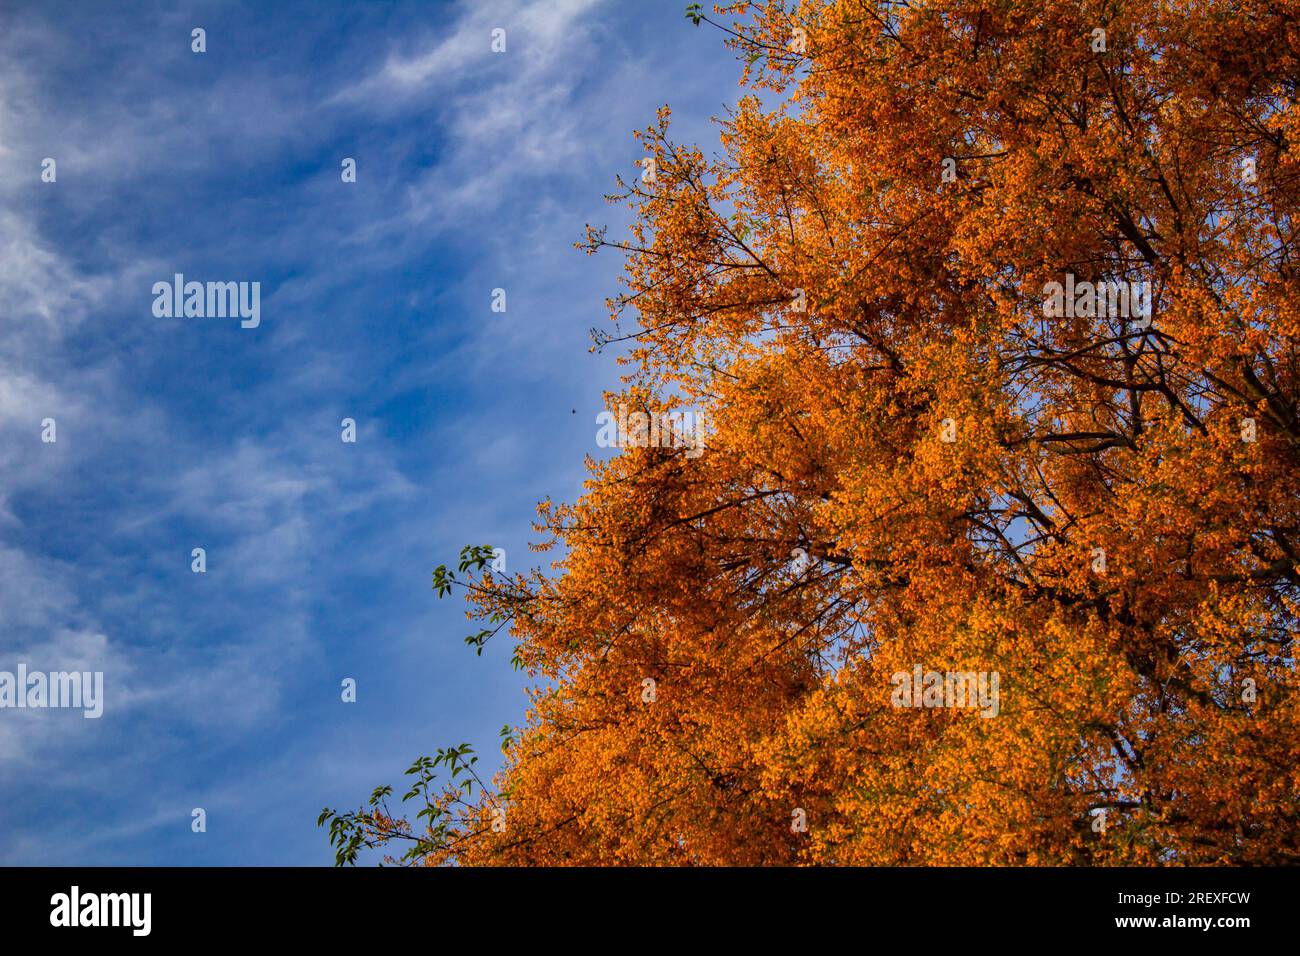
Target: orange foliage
[(912, 461)]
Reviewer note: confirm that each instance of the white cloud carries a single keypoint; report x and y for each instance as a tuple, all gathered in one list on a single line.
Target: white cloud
[(541, 36), (504, 154), (31, 735), (504, 116)]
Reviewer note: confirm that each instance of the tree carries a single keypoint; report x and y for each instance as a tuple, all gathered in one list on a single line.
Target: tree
[(990, 309)]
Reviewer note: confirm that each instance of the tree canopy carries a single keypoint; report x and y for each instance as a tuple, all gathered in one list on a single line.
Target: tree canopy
[(923, 445)]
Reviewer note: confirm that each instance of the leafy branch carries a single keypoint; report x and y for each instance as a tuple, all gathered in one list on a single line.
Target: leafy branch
[(445, 811), (500, 603)]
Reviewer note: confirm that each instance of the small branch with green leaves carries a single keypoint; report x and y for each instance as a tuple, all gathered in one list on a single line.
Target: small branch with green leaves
[(444, 811), (501, 602)]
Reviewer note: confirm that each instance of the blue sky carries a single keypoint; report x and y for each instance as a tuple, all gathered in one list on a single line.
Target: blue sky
[(475, 171)]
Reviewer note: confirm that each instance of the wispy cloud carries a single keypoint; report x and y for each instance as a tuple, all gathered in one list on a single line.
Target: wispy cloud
[(476, 170)]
